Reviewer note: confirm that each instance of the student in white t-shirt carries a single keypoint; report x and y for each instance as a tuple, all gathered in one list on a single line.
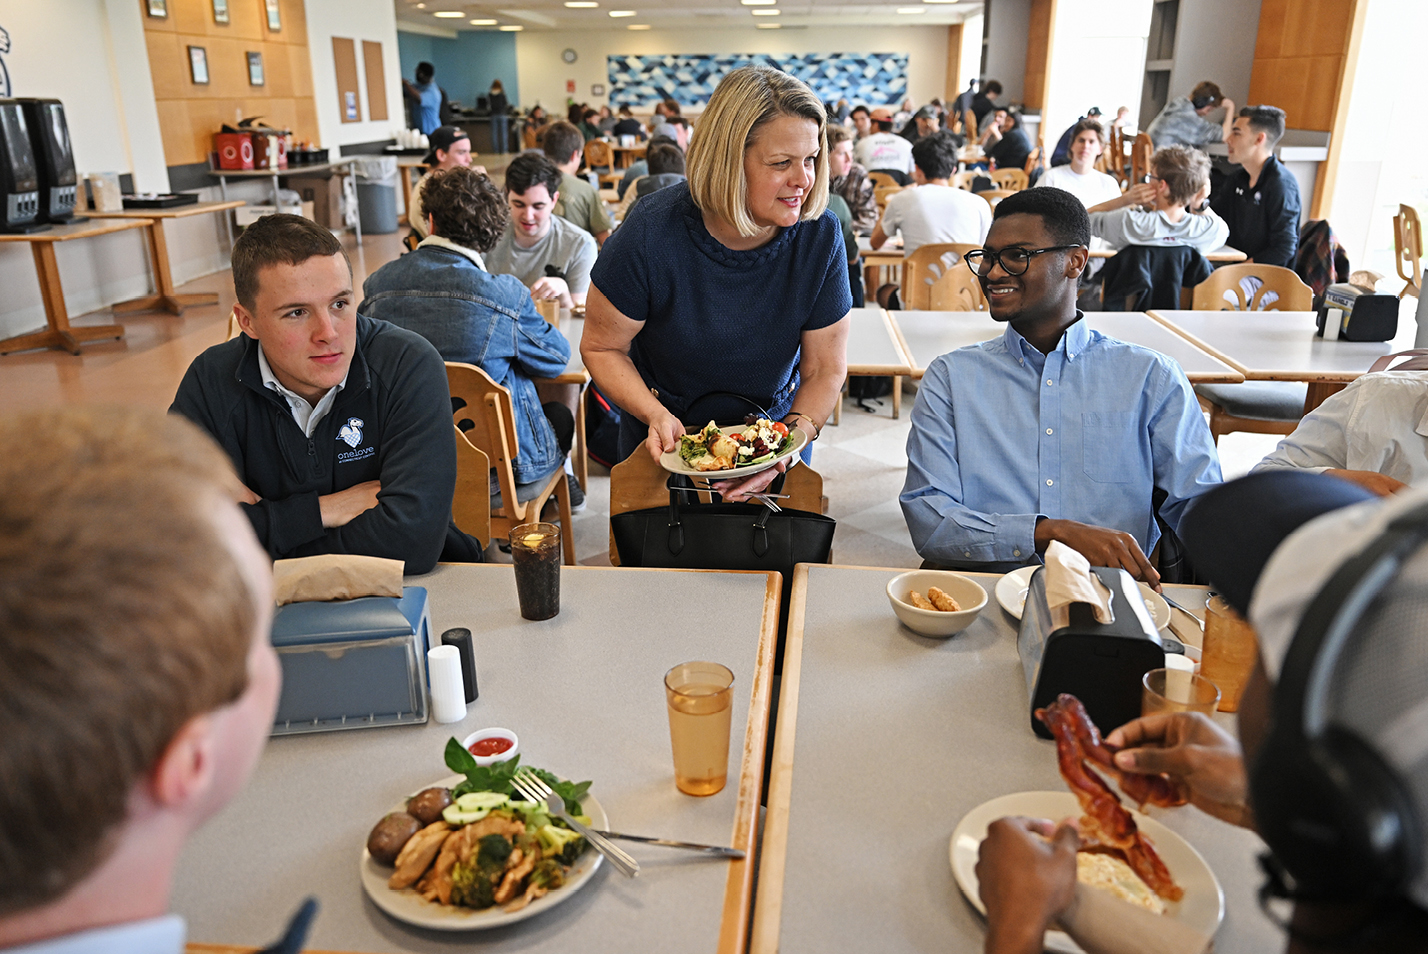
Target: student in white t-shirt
[(1080, 178), (934, 211)]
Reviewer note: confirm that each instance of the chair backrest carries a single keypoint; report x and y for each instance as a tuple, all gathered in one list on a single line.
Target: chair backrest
[(993, 196), (1141, 151), (233, 329), (599, 154), (882, 193), (1013, 180), (1408, 244), (471, 504), (482, 411), (638, 483), (1253, 287), (964, 180), (957, 290), (926, 265), (1033, 159), (881, 179)]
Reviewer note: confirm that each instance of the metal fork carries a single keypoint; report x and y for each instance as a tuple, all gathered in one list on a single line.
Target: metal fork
[(533, 789)]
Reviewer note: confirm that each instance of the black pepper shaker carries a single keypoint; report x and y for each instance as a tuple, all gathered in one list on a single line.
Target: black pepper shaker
[(461, 639)]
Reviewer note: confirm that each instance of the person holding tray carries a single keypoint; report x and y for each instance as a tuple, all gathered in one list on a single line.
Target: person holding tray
[(735, 282)]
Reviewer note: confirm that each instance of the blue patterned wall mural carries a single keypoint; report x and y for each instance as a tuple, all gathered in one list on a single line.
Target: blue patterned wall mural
[(690, 78)]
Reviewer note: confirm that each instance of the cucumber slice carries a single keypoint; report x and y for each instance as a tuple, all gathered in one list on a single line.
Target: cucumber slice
[(453, 815), (473, 801)]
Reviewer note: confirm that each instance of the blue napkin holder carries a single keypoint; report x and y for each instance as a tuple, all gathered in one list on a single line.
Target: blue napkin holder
[(353, 664)]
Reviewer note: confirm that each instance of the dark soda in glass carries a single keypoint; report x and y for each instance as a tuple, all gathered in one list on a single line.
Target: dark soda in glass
[(535, 551)]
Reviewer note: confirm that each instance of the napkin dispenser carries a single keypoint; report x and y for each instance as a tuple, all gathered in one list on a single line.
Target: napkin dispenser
[(1099, 663), (1360, 314), (353, 664)]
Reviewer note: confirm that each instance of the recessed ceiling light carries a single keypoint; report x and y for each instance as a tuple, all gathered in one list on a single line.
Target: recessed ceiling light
[(941, 1), (769, 26), (638, 26), (758, 3), (908, 11), (581, 4), (511, 28), (766, 13), (449, 14), (622, 13), (421, 6), (483, 22)]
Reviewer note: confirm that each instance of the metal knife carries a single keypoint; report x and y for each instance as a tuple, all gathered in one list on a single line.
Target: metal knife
[(691, 846)]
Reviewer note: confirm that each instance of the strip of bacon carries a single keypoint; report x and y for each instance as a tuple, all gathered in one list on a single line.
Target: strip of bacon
[(1104, 819), (1160, 790)]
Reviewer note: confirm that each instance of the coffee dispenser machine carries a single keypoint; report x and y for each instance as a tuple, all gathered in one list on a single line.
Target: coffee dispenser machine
[(19, 182), (54, 160)]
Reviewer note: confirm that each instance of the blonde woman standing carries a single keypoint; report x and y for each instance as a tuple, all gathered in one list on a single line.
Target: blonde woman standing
[(736, 281)]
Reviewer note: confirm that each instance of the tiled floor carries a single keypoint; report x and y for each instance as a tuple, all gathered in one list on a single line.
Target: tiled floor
[(862, 460)]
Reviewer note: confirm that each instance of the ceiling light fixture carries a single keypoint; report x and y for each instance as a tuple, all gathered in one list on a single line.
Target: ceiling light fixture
[(581, 4), (942, 1), (511, 28), (638, 26), (449, 14), (622, 13), (483, 22), (421, 6), (909, 11), (758, 3), (766, 13), (769, 26)]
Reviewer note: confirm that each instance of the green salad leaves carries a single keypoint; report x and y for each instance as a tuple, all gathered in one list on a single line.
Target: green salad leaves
[(496, 777)]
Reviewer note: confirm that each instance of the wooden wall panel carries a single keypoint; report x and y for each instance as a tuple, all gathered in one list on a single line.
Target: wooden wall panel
[(1038, 54), (952, 88), (376, 75), (190, 114), (1300, 54)]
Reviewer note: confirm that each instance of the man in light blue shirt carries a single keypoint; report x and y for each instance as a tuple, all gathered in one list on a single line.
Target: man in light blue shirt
[(1052, 431)]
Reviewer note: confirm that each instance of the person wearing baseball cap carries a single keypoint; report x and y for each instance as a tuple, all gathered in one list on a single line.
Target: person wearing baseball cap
[(883, 151), (925, 122), (450, 147), (1333, 773), (1061, 155)]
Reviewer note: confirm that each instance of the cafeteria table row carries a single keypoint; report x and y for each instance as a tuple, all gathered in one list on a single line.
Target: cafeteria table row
[(884, 740)]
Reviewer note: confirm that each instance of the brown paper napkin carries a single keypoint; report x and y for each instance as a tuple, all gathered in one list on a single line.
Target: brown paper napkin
[(1069, 580), (335, 576), (1104, 924)]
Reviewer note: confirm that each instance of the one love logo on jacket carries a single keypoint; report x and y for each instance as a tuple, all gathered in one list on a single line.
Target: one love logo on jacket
[(351, 435)]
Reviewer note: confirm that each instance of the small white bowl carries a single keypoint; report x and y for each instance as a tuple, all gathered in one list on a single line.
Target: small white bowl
[(493, 733), (968, 594)]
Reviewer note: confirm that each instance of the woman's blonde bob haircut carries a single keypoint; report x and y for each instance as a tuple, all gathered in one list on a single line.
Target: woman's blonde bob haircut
[(746, 99)]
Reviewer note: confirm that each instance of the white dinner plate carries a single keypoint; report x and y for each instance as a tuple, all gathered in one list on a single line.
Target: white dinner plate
[(406, 905), (675, 464), (1011, 594), (1202, 908)]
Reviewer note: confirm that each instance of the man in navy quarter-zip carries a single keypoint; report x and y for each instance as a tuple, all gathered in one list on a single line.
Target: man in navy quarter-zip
[(339, 426), (1260, 202)]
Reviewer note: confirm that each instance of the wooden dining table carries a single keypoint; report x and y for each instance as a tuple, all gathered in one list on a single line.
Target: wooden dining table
[(926, 335), (165, 297), (885, 739), (584, 692), (1282, 346), (625, 156)]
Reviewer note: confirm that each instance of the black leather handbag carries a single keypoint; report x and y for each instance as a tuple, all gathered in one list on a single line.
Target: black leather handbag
[(689, 535)]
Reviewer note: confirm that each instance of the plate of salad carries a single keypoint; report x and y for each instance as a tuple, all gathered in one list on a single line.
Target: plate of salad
[(466, 853), (721, 453)]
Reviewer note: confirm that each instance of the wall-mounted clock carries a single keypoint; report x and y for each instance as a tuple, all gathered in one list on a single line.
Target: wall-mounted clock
[(569, 56)]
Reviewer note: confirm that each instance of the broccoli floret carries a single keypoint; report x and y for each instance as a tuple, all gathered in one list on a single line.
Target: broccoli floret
[(549, 873), (494, 851), (472, 885), (562, 844)]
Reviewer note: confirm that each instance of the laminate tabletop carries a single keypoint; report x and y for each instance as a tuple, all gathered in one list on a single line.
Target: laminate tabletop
[(873, 346)]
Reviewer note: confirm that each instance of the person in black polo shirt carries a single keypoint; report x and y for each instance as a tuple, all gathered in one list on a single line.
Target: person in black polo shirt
[(1260, 202)]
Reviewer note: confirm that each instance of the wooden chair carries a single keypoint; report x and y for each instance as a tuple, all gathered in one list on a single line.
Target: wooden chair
[(993, 196), (471, 505), (637, 483), (1246, 288), (882, 193), (963, 180), (233, 329), (1141, 151), (530, 136), (1408, 249), (483, 412), (1013, 180), (1261, 407), (926, 265), (599, 155), (957, 290), (1033, 159), (883, 180)]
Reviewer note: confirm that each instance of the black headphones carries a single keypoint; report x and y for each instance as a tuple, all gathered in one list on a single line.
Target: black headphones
[(1200, 102), (1337, 817)]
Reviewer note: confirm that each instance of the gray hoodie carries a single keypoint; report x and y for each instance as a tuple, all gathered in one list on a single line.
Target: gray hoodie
[(1204, 231)]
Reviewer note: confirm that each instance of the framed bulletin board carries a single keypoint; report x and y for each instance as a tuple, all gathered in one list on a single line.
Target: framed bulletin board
[(376, 80), (344, 61)]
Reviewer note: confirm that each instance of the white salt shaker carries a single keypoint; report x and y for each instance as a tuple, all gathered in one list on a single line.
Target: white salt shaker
[(448, 692)]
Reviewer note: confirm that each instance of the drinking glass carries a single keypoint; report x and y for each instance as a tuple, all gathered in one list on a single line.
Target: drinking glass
[(700, 697), (1229, 652), (535, 551), (1176, 690)]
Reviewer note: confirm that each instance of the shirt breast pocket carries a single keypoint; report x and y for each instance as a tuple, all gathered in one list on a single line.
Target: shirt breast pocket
[(1108, 446)]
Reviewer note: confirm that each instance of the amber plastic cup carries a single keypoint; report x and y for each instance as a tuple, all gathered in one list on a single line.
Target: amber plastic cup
[(1176, 690), (1229, 653), (700, 697), (535, 551)]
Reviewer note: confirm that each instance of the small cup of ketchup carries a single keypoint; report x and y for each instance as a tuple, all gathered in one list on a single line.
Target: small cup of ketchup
[(492, 745)]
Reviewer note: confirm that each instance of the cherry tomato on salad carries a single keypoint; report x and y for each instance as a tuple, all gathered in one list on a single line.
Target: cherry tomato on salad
[(781, 428)]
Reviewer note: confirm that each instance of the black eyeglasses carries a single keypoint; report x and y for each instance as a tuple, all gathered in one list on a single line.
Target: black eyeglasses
[(1014, 260)]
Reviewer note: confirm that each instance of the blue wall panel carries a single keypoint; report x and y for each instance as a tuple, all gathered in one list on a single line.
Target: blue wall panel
[(466, 65), (690, 79)]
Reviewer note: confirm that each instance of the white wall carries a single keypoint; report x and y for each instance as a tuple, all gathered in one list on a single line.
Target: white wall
[(543, 74), (1007, 24), (1110, 34), (1214, 40), (971, 58), (358, 20), (91, 55)]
